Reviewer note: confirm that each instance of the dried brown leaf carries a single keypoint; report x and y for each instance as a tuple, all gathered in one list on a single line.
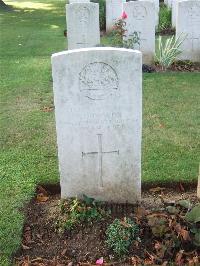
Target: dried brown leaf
[(125, 224), (64, 252), (178, 228), (135, 260), (24, 247), (140, 212), (179, 258), (157, 189), (41, 198), (185, 235), (48, 108), (157, 245), (27, 235), (181, 187), (40, 189)]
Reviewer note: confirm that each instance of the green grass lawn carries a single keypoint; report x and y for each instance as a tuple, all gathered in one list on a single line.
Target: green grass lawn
[(29, 35)]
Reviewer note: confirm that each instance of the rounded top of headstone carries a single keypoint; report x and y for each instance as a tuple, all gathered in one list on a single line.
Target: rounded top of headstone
[(97, 49)]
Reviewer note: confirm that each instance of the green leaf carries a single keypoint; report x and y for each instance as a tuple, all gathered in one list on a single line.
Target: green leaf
[(194, 215), (88, 200), (172, 210), (184, 203)]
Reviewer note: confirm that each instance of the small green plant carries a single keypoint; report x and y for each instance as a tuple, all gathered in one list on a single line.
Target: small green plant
[(168, 51), (119, 34), (132, 41), (120, 235), (165, 15), (75, 211)]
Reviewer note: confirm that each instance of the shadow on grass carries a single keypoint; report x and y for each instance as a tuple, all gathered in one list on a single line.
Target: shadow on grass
[(32, 28)]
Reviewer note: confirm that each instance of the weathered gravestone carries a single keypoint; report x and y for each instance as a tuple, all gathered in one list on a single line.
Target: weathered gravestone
[(157, 9), (113, 12), (78, 1), (141, 19), (188, 24), (98, 108), (82, 25)]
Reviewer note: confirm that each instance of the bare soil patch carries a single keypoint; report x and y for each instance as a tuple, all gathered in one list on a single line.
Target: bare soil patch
[(181, 66), (43, 244)]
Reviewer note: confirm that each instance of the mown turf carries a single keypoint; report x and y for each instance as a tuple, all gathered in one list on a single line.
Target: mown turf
[(28, 144)]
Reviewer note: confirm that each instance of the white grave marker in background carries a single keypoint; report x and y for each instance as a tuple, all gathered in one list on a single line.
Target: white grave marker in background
[(157, 9), (82, 25), (141, 19), (188, 24), (98, 108), (113, 12)]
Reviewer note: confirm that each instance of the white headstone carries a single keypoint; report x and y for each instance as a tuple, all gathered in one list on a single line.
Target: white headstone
[(113, 12), (141, 19), (82, 25), (157, 8), (98, 109), (78, 1), (188, 24)]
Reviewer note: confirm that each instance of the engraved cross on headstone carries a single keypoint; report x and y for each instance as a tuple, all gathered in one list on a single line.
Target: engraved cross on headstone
[(195, 41), (100, 154)]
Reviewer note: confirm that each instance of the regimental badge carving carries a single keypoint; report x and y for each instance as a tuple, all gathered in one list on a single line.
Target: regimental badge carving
[(139, 12), (98, 81), (83, 14)]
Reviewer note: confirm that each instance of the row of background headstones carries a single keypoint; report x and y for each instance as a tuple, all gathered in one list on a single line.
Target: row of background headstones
[(186, 21), (83, 24), (98, 108), (173, 5)]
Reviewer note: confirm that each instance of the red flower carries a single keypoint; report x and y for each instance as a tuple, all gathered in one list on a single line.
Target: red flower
[(124, 15)]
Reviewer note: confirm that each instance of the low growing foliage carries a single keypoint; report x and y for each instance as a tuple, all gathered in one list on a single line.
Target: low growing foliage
[(120, 235), (165, 16), (168, 51), (119, 34), (75, 211)]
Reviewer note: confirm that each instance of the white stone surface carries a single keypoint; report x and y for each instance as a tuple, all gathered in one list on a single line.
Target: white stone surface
[(82, 25), (78, 1), (98, 109), (174, 12), (168, 3), (141, 19), (157, 8), (114, 9), (188, 24)]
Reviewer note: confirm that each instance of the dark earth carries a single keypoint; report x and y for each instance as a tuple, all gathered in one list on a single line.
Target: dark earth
[(43, 244), (179, 66)]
